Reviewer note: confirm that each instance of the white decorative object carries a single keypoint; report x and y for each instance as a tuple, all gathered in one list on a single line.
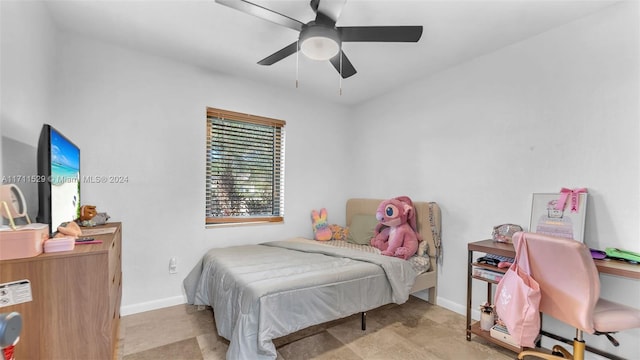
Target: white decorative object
[(487, 316), (487, 320)]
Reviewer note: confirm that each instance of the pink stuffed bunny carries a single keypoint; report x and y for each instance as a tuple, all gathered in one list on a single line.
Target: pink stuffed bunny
[(396, 233), (321, 230)]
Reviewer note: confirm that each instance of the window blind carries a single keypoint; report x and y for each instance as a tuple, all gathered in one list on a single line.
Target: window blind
[(245, 168)]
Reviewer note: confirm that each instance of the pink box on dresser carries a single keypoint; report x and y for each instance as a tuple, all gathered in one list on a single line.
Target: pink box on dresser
[(66, 243), (24, 242)]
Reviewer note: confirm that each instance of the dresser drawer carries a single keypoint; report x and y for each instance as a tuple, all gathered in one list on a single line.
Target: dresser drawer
[(115, 254), (114, 310), (115, 276)]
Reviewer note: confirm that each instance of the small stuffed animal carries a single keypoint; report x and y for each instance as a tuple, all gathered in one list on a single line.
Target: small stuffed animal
[(338, 232), (89, 216), (396, 233), (99, 219), (321, 230), (87, 212)]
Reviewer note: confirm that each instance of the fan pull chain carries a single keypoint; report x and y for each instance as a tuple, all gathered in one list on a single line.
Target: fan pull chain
[(340, 75), (297, 60)]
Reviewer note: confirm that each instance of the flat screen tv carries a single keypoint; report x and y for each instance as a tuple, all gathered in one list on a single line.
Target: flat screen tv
[(59, 174)]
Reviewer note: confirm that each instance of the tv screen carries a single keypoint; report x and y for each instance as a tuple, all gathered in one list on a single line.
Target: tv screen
[(59, 170)]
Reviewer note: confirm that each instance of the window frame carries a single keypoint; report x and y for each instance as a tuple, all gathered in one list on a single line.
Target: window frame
[(278, 169)]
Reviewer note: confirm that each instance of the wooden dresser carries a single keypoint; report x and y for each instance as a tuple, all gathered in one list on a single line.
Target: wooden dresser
[(75, 312)]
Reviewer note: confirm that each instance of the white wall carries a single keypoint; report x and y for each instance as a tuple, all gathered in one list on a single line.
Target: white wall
[(143, 117), (557, 110), (28, 47), (27, 41)]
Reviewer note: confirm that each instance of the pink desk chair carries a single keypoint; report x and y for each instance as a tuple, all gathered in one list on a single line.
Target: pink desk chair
[(570, 289)]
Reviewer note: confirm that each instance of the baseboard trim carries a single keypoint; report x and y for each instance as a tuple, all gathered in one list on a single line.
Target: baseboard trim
[(152, 305), (458, 308), (453, 306)]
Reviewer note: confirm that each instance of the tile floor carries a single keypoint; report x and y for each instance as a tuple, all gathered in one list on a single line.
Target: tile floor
[(414, 330)]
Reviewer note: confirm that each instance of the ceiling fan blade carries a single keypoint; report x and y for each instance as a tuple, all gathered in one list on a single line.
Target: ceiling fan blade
[(280, 54), (347, 67), (381, 33), (263, 13), (328, 8)]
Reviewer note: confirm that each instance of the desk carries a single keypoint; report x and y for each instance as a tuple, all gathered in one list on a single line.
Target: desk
[(610, 267), (619, 268)]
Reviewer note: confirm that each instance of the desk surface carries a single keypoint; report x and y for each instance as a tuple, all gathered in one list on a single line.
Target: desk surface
[(611, 267)]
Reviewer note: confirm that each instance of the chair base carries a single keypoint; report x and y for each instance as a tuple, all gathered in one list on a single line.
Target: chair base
[(558, 352)]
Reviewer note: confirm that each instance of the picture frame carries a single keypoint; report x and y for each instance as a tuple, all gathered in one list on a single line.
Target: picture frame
[(567, 223)]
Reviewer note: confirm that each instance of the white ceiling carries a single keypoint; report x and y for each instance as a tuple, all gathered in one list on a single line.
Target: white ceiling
[(216, 37)]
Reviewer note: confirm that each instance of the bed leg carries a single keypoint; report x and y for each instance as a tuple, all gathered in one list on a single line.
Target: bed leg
[(363, 317), (433, 294)]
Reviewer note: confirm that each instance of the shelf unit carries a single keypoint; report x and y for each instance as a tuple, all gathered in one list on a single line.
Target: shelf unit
[(489, 247), (609, 267)]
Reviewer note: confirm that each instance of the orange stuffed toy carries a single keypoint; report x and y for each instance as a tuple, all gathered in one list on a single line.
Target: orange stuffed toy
[(87, 212)]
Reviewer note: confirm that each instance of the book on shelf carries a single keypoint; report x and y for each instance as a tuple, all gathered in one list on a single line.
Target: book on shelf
[(501, 333), (487, 274)]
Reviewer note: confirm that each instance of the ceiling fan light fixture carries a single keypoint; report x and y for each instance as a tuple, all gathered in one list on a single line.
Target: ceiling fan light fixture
[(319, 48), (319, 42)]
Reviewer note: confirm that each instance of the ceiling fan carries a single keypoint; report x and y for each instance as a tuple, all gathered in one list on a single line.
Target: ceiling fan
[(321, 39)]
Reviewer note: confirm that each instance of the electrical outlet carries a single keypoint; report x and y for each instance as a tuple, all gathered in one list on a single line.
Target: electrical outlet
[(173, 266)]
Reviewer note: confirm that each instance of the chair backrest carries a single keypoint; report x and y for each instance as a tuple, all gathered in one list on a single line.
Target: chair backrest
[(567, 276)]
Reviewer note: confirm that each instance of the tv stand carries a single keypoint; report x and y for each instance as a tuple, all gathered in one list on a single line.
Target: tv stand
[(75, 311)]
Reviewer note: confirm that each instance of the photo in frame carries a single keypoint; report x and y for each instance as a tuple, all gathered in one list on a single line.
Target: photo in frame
[(567, 222)]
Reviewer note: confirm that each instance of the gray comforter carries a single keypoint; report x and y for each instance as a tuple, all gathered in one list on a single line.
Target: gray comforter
[(261, 292)]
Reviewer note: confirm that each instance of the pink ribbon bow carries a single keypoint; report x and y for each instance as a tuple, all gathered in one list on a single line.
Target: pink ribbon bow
[(564, 194)]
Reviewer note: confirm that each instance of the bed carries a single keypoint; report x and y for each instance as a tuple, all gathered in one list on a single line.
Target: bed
[(265, 291)]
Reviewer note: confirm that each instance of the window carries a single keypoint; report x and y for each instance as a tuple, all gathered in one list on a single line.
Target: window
[(245, 168)]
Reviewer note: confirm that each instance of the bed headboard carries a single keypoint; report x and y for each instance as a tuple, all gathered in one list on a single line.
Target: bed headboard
[(428, 216)]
